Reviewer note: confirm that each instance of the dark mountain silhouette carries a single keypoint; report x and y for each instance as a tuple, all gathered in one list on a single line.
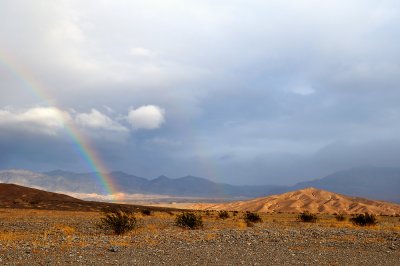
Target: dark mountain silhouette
[(372, 182), (90, 183)]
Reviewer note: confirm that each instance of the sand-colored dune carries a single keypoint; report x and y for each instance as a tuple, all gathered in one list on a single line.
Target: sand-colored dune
[(308, 199)]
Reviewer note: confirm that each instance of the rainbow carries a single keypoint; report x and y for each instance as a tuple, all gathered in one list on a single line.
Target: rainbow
[(82, 145)]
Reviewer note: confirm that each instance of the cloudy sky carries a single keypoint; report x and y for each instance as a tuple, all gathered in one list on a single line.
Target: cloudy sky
[(244, 92)]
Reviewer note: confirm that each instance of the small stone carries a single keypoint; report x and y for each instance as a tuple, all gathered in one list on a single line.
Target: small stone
[(113, 249)]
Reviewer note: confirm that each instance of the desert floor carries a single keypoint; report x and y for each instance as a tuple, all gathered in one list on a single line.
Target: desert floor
[(39, 237)]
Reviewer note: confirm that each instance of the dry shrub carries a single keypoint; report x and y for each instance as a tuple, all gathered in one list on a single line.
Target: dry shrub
[(189, 220), (251, 217), (146, 212), (118, 221), (364, 219), (307, 217), (223, 215)]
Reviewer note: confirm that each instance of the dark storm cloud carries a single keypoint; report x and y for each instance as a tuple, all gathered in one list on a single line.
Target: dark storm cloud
[(35, 151), (252, 91)]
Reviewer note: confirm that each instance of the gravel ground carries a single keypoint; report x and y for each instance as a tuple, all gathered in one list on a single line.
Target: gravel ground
[(72, 238)]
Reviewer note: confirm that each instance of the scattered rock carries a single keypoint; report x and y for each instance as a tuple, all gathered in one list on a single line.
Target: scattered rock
[(114, 249)]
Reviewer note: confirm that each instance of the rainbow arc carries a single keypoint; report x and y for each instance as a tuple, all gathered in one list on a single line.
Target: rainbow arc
[(82, 145)]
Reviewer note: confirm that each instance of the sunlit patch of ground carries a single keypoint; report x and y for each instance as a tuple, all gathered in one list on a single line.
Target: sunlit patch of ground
[(32, 236)]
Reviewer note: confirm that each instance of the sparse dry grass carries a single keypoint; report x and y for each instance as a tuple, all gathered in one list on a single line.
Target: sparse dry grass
[(67, 232), (210, 236), (71, 224), (12, 236), (394, 228), (65, 229), (121, 242)]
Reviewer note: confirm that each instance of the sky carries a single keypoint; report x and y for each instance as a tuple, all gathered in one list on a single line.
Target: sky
[(241, 92)]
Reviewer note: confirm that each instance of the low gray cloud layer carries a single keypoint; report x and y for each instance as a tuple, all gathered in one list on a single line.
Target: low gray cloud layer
[(237, 91)]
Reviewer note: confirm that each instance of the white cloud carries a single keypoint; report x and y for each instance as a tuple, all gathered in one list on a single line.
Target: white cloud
[(140, 52), (146, 117), (45, 120), (97, 120), (48, 120)]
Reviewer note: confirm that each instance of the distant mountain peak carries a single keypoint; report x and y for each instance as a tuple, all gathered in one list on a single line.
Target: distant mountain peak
[(309, 189), (196, 178), (364, 181), (161, 178)]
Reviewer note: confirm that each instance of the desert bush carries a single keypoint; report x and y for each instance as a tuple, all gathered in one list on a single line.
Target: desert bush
[(252, 217), (235, 213), (340, 217), (307, 217), (146, 212), (118, 221), (189, 220), (223, 215), (364, 219)]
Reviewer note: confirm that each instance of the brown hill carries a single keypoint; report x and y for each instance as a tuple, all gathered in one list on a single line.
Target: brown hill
[(11, 194), (15, 196), (308, 199)]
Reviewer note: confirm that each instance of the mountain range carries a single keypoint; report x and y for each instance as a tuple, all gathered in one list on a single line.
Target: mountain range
[(89, 183), (373, 182)]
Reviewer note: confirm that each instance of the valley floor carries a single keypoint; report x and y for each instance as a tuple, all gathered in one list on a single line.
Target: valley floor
[(39, 237)]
